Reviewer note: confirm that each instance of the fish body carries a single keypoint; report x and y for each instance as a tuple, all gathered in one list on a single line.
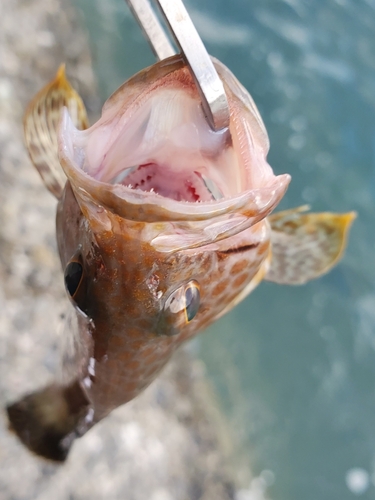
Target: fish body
[(162, 226)]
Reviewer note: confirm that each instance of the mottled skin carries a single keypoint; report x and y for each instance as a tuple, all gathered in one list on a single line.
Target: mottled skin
[(131, 342), (140, 250)]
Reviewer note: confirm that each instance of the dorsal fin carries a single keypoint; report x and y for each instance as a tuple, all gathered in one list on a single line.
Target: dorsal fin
[(305, 246), (41, 124)]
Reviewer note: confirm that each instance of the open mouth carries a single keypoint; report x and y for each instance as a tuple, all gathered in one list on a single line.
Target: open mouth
[(164, 147), (152, 157)]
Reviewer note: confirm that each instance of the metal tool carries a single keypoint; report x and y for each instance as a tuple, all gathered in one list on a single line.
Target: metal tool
[(182, 29)]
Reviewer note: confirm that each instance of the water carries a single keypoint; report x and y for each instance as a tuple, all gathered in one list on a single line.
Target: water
[(294, 366)]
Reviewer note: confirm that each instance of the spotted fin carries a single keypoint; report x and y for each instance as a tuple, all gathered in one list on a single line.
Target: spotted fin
[(306, 245), (41, 124)]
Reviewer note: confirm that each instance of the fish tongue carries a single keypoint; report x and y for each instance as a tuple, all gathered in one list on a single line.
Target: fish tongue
[(180, 186)]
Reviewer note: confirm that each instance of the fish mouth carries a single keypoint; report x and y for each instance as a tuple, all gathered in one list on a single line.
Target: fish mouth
[(154, 148), (164, 146)]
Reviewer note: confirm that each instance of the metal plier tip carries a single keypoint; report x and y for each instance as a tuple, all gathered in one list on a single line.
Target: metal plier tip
[(182, 29)]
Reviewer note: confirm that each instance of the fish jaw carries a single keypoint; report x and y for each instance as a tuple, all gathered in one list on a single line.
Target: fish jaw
[(153, 158)]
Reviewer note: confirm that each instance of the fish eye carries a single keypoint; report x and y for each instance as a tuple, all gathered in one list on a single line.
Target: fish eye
[(192, 300), (180, 308), (73, 277)]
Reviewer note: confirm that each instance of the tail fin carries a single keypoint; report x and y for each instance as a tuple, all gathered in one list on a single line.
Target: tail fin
[(47, 421)]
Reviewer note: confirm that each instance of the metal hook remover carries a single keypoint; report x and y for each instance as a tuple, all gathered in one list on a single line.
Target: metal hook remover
[(183, 31)]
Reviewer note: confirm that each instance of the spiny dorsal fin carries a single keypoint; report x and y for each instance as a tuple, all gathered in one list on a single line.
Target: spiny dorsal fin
[(305, 246), (41, 124)]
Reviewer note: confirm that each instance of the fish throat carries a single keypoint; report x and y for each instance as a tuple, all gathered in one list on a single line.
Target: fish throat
[(162, 180), (161, 144)]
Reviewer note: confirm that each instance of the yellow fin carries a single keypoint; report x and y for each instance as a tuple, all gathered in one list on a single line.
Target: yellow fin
[(305, 246), (41, 123)]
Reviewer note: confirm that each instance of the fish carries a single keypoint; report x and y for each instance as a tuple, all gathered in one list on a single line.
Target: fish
[(163, 226)]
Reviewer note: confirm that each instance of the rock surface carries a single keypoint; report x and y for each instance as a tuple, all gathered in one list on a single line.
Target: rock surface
[(168, 444)]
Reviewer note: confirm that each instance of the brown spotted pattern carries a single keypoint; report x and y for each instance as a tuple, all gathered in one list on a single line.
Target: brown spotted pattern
[(130, 340)]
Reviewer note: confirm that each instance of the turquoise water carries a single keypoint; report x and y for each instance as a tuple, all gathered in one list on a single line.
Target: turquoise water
[(294, 366)]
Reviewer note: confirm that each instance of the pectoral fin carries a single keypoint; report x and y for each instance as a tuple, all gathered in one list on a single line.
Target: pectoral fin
[(41, 124), (306, 245)]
